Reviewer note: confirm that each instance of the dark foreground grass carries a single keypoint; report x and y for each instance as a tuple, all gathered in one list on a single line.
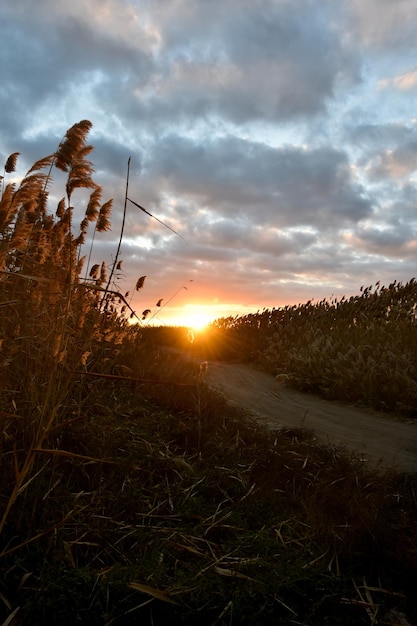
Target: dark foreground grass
[(124, 501), (161, 504)]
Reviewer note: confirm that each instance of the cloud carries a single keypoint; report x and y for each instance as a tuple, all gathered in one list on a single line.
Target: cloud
[(398, 241), (247, 61), (395, 164), (383, 24), (388, 152), (59, 53), (277, 137), (280, 186), (406, 82), (243, 62)]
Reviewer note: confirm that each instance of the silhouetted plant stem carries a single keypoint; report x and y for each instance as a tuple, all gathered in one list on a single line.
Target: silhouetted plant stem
[(116, 258)]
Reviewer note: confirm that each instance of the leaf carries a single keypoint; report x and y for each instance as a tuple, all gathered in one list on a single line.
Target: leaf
[(39, 279), (230, 573), (152, 591), (41, 164), (13, 619), (181, 463), (157, 219)]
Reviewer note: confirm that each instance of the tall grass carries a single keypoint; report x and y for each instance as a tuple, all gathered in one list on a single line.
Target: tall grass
[(132, 492), (362, 349), (50, 321)]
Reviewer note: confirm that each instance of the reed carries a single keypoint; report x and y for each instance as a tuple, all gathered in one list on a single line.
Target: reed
[(50, 317), (358, 349), (132, 492)]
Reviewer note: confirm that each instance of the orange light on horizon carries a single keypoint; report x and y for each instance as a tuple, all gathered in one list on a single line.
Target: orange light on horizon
[(196, 317), (197, 320)]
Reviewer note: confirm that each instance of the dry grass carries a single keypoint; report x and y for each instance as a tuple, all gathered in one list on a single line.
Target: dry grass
[(174, 506), (50, 318), (130, 491), (361, 349)]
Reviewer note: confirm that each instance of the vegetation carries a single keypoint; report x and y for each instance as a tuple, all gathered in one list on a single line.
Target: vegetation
[(362, 349), (131, 491)]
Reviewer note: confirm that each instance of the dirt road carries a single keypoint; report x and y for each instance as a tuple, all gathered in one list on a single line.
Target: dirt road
[(381, 441)]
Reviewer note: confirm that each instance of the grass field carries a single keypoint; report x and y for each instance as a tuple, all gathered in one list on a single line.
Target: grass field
[(132, 493)]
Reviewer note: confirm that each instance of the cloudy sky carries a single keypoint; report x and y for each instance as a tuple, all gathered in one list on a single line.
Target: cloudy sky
[(278, 137)]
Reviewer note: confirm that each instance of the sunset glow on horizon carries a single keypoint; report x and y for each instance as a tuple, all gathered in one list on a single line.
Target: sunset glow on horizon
[(272, 145), (197, 320), (194, 316)]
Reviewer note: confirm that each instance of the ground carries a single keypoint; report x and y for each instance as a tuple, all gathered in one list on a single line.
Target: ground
[(380, 440)]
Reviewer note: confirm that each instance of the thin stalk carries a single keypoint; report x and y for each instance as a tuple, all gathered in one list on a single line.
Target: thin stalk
[(168, 301), (90, 252), (121, 234)]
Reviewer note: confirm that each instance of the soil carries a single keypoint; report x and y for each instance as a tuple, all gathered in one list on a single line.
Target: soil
[(379, 440)]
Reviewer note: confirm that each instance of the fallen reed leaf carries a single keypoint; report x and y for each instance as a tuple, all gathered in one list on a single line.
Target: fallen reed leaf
[(13, 619), (230, 573), (152, 591)]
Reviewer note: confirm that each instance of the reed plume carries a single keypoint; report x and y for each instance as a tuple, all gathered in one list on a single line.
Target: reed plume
[(103, 221), (8, 209), (93, 206), (10, 165), (50, 318), (71, 144), (140, 283)]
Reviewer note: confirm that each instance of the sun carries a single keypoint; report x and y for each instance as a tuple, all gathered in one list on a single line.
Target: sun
[(198, 323), (199, 327), (197, 320)]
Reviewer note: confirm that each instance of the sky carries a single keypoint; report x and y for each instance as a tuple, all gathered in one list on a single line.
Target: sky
[(278, 138)]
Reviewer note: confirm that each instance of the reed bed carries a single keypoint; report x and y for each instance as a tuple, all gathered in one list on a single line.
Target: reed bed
[(50, 322), (361, 350), (130, 491)]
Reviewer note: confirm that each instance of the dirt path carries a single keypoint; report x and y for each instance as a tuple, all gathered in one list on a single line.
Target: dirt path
[(380, 440)]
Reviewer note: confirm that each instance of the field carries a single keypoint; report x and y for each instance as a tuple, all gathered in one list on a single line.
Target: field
[(133, 493)]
